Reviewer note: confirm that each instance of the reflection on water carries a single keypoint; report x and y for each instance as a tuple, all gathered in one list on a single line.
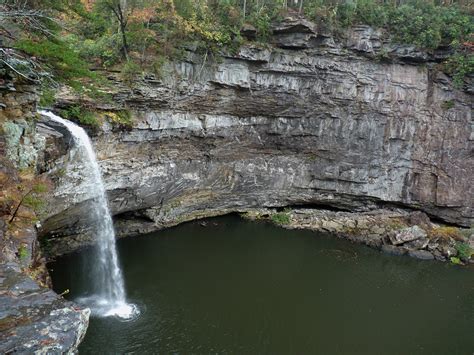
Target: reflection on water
[(244, 287)]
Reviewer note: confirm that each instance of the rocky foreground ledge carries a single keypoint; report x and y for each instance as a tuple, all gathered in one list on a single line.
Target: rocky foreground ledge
[(34, 319)]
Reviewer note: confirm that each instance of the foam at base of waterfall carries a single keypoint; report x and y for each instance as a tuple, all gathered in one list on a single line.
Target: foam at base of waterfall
[(102, 307)]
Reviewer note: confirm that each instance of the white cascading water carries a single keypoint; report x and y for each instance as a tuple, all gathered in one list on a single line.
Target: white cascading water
[(108, 280)]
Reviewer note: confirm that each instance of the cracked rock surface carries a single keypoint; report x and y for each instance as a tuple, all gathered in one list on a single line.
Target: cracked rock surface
[(323, 124), (34, 319)]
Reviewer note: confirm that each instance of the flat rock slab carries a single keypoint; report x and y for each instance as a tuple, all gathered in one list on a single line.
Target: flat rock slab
[(34, 319), (407, 235)]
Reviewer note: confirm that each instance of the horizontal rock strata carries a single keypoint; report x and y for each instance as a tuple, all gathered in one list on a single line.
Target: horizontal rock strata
[(323, 125)]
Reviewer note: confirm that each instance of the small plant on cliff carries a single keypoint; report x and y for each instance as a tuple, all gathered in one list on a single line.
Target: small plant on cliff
[(31, 197), (47, 97), (80, 114), (460, 66), (120, 118), (446, 105), (21, 196), (464, 251), (456, 261), (281, 218), (131, 72), (23, 253)]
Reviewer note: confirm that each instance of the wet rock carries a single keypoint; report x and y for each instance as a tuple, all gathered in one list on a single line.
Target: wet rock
[(407, 235), (448, 251), (432, 245), (438, 256), (393, 250), (421, 254)]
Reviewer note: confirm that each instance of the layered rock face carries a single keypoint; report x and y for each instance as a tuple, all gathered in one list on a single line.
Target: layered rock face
[(323, 123), (33, 319)]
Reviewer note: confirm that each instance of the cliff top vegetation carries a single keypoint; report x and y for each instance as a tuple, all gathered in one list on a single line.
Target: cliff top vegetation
[(71, 39)]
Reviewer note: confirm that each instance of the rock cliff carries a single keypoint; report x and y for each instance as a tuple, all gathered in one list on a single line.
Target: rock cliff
[(33, 319), (323, 122)]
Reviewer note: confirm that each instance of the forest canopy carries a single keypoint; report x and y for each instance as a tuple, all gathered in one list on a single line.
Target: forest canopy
[(69, 37)]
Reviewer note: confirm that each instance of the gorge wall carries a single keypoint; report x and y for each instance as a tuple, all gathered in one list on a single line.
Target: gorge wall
[(308, 121), (33, 319)]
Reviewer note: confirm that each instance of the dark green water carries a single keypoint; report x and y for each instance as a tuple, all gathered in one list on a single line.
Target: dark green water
[(238, 287)]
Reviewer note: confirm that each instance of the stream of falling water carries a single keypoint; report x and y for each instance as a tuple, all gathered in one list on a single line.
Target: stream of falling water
[(110, 298)]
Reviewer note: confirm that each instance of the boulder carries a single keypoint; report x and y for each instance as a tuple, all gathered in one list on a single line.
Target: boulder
[(248, 31), (393, 250), (420, 243), (294, 32), (421, 254), (407, 235)]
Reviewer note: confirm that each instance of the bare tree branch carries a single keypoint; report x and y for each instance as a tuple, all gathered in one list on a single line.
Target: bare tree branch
[(20, 14)]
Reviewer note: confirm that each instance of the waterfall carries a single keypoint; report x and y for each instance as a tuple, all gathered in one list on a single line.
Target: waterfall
[(110, 299)]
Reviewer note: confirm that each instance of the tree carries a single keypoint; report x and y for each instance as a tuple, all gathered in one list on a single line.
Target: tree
[(31, 41), (121, 11), (21, 193)]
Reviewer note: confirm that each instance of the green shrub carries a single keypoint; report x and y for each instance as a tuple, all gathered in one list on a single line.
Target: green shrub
[(23, 253), (382, 56), (62, 60), (47, 97), (262, 20), (130, 72), (464, 251), (416, 25), (33, 201), (165, 29), (80, 114), (120, 118), (459, 66), (157, 66), (106, 49), (415, 22), (281, 218), (455, 260), (446, 105), (366, 12)]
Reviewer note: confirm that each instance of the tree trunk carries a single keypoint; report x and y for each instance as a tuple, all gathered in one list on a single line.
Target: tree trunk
[(124, 41), (118, 12)]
